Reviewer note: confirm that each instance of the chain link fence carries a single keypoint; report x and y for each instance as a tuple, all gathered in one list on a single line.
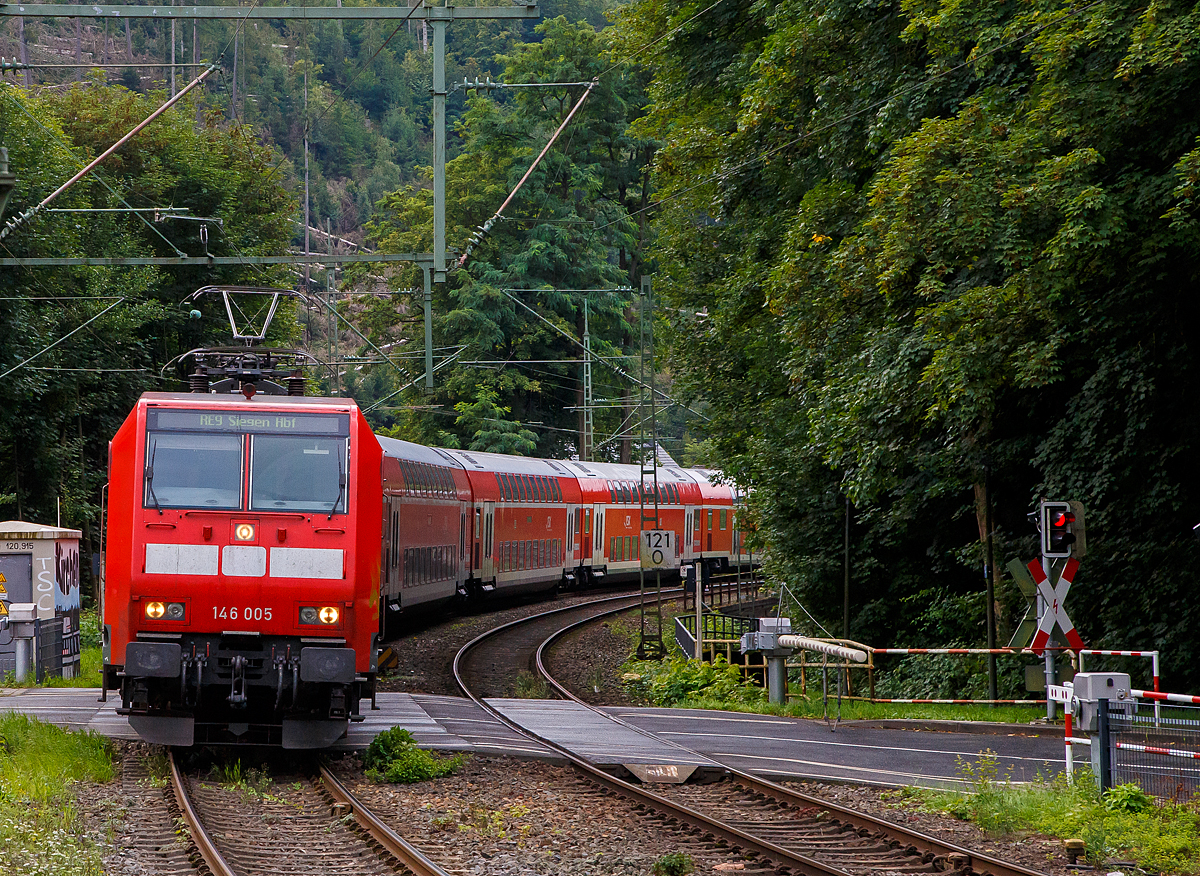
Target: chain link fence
[(1160, 754)]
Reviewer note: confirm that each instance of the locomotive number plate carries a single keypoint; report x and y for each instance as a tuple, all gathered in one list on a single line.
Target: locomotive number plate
[(246, 612)]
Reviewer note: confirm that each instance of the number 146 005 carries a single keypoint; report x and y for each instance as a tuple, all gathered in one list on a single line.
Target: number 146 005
[(232, 612)]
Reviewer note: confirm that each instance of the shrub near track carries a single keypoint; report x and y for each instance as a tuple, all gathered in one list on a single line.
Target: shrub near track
[(1124, 823), (393, 756), (39, 824)]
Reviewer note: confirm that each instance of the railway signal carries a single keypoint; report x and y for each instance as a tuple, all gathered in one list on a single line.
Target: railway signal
[(1057, 522)]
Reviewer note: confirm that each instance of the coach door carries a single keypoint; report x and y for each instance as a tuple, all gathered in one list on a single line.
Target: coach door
[(487, 568), (584, 516), (685, 537), (598, 536)]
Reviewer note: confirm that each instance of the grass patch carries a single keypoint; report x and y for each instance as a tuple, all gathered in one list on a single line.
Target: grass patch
[(1124, 823), (393, 756), (40, 833), (529, 686)]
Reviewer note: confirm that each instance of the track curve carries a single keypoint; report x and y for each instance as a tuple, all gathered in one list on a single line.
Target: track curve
[(854, 825), (805, 842)]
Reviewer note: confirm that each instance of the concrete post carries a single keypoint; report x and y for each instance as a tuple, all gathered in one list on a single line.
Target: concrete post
[(776, 679), (22, 617)]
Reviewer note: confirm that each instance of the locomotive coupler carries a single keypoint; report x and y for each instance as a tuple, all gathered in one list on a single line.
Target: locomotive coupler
[(237, 685), (189, 662), (282, 664)]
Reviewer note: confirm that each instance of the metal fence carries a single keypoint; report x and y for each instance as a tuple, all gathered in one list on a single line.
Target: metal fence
[(1160, 754)]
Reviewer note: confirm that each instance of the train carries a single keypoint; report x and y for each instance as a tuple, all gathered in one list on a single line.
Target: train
[(258, 545)]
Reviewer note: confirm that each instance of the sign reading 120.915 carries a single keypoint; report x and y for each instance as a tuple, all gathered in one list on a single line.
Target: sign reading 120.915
[(277, 422)]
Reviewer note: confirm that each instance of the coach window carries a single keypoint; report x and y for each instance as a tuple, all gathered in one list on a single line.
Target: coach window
[(723, 518), (612, 492), (543, 489), (193, 470)]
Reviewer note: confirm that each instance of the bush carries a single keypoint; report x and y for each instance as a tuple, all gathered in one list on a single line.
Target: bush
[(393, 756), (1125, 821), (673, 864), (1127, 798), (681, 681)]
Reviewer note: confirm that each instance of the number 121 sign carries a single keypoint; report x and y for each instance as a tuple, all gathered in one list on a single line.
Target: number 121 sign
[(658, 549)]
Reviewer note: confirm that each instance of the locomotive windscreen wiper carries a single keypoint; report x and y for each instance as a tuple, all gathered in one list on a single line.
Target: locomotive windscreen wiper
[(150, 477), (341, 488)]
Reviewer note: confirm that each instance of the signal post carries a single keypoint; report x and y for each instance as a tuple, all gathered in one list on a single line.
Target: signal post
[(1062, 537)]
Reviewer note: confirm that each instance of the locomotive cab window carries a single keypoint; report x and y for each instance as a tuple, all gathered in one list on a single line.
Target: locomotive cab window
[(295, 473), (191, 470)]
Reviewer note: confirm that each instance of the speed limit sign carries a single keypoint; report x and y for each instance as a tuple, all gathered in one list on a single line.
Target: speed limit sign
[(658, 549)]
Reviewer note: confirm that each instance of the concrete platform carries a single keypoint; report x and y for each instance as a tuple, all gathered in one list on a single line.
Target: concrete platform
[(864, 752)]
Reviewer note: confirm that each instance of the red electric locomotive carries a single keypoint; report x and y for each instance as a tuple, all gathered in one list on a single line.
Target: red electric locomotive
[(241, 598)]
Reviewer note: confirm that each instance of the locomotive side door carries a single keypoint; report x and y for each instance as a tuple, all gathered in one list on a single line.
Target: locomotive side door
[(487, 569)]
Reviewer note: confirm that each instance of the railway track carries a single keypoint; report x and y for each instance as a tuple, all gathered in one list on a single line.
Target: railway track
[(512, 648), (311, 824), (767, 821)]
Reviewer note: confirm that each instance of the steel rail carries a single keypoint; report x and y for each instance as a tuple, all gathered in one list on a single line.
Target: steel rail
[(395, 845), (859, 820), (204, 844), (639, 795)]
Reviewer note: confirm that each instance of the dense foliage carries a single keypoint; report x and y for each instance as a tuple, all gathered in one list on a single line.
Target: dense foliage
[(919, 260), (516, 310), (946, 255), (81, 368)]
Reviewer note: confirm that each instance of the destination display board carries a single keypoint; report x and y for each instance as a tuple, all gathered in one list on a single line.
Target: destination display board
[(257, 422)]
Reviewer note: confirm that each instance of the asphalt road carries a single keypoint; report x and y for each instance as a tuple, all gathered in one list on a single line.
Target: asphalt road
[(889, 753)]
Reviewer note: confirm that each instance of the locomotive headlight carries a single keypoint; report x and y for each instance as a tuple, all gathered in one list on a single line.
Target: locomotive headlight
[(327, 614), (244, 532), (172, 611)]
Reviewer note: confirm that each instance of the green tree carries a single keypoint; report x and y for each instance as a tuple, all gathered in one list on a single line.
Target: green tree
[(938, 247), (559, 234), (80, 378)]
